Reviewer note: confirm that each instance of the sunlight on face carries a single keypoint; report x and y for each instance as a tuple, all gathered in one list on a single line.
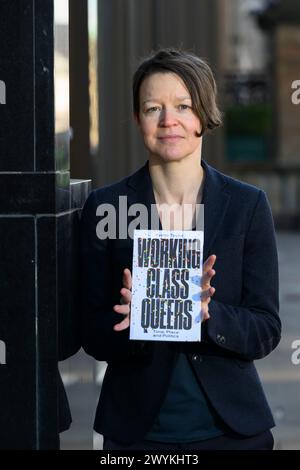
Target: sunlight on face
[(166, 119)]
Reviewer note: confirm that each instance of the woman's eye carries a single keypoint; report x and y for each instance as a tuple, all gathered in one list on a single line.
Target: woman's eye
[(152, 109), (183, 106)]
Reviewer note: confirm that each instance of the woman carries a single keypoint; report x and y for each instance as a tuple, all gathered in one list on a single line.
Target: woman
[(162, 395)]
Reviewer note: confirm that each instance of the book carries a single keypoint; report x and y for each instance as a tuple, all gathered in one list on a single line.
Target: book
[(166, 285)]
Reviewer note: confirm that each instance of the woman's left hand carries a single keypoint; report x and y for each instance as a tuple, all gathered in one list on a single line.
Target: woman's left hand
[(207, 290)]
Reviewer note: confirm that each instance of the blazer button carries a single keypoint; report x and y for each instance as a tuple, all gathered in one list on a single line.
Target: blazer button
[(221, 339), (196, 357)]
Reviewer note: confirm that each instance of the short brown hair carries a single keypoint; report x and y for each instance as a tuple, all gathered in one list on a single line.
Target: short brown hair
[(196, 75)]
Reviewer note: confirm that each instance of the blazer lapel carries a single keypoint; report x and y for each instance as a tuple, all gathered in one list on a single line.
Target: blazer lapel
[(141, 191), (215, 199)]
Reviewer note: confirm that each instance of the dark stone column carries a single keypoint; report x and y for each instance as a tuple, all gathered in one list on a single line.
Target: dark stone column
[(39, 213)]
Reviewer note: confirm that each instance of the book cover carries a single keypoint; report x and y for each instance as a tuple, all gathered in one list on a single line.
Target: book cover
[(166, 285)]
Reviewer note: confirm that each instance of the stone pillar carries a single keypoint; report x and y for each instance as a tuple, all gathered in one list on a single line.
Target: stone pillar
[(39, 211)]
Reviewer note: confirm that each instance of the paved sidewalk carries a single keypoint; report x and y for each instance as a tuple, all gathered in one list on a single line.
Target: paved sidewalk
[(281, 379)]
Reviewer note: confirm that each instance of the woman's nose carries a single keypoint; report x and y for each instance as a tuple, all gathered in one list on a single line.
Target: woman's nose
[(167, 117)]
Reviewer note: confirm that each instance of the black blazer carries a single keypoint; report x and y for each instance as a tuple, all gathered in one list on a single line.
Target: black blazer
[(244, 323)]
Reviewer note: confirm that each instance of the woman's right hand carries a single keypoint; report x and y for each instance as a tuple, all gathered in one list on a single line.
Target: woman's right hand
[(124, 307)]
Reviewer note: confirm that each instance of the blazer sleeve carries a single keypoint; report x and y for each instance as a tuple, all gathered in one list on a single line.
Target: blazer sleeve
[(252, 329), (98, 317)]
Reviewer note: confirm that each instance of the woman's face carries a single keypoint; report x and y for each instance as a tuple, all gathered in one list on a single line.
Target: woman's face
[(166, 119)]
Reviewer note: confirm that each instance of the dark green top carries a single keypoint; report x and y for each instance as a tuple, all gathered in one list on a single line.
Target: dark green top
[(186, 415)]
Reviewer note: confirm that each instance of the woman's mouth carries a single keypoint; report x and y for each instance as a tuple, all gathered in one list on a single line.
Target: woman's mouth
[(170, 138)]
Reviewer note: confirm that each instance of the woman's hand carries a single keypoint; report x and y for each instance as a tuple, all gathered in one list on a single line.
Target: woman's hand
[(124, 307), (207, 290)]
